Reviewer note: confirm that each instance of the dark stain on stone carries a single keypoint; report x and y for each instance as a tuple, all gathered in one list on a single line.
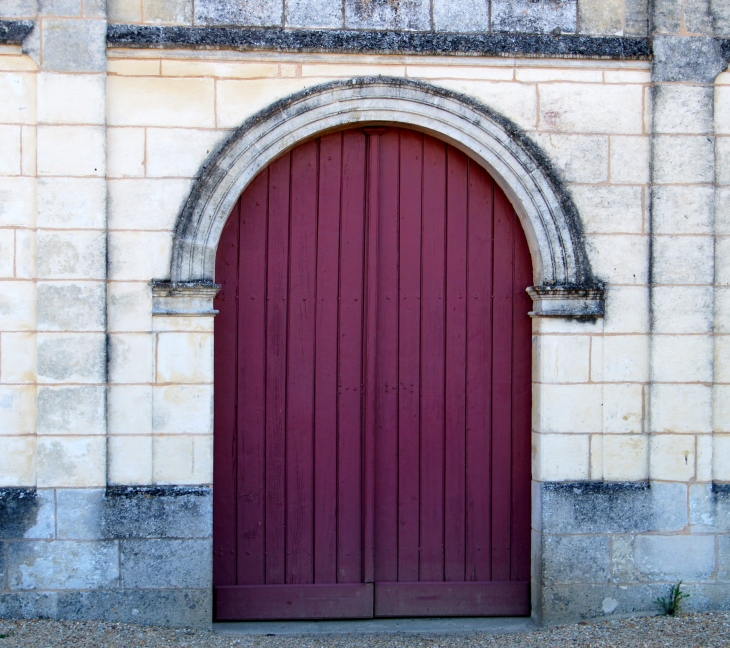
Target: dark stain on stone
[(12, 32), (383, 42), (18, 511)]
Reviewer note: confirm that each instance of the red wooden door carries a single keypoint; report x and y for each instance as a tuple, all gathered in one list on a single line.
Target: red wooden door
[(372, 372)]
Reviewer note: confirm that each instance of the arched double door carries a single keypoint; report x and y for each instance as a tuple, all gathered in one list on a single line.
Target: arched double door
[(372, 387)]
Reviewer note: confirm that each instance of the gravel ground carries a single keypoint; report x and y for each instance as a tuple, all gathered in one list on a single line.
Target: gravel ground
[(687, 631)]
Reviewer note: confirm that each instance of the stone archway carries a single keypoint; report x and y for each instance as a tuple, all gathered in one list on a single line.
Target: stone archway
[(564, 282)]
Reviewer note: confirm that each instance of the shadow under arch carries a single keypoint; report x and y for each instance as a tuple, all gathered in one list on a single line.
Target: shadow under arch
[(565, 284)]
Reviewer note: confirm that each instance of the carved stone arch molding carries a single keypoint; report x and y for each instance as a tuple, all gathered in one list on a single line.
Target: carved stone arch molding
[(565, 284)]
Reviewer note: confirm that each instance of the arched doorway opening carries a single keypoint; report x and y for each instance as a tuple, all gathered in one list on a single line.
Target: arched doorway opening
[(372, 404)]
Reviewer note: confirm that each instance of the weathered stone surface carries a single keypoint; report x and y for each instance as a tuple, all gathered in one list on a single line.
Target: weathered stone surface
[(151, 512), (27, 513), (150, 564), (461, 15), (667, 16), (388, 14), (637, 18), (604, 17), (710, 506), (71, 306), (74, 45), (63, 565), (723, 557), (698, 17), (563, 603), (313, 13), (79, 513), (535, 17), (238, 12), (59, 7), (64, 410), (71, 357), (674, 558), (682, 58), (576, 559), (705, 597), (28, 605), (720, 11), (169, 11), (386, 42), (683, 109), (176, 608)]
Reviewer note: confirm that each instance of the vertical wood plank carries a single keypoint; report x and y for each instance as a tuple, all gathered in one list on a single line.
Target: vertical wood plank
[(502, 386), (350, 385), (455, 402), (479, 367), (409, 350), (277, 299), (224, 447), (386, 439), (325, 406), (251, 375), (521, 408), (433, 299), (300, 370)]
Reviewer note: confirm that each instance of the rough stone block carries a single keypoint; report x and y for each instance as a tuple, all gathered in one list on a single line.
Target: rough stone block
[(591, 108), (675, 558), (682, 210), (672, 457), (629, 160), (681, 408), (172, 608), (710, 505), (569, 408), (722, 109), (71, 357), (28, 605), (683, 260), (683, 109), (589, 508), (17, 305), (17, 202), (541, 17), (667, 16), (669, 506), (157, 512), (601, 17), (146, 204), (71, 255), (71, 410), (130, 409), (17, 409), (71, 203), (19, 98), (161, 564), (71, 151), (59, 7), (610, 209), (71, 98), (124, 11), (27, 513), (66, 306), (10, 150), (386, 14), (263, 13), (723, 554), (182, 409), (637, 18), (17, 461), (139, 256), (18, 357), (140, 101), (576, 559), (130, 358), (686, 58), (720, 11), (63, 565), (579, 158), (171, 12), (313, 14), (74, 45), (562, 457), (79, 513), (180, 153), (20, 8), (125, 152), (698, 17), (75, 462), (461, 15), (2, 568), (683, 358), (566, 603), (130, 460)]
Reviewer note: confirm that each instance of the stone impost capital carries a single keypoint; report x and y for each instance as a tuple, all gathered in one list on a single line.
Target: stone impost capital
[(183, 299), (574, 302)]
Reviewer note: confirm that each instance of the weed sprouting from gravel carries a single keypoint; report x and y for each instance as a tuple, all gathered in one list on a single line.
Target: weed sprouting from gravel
[(672, 605)]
